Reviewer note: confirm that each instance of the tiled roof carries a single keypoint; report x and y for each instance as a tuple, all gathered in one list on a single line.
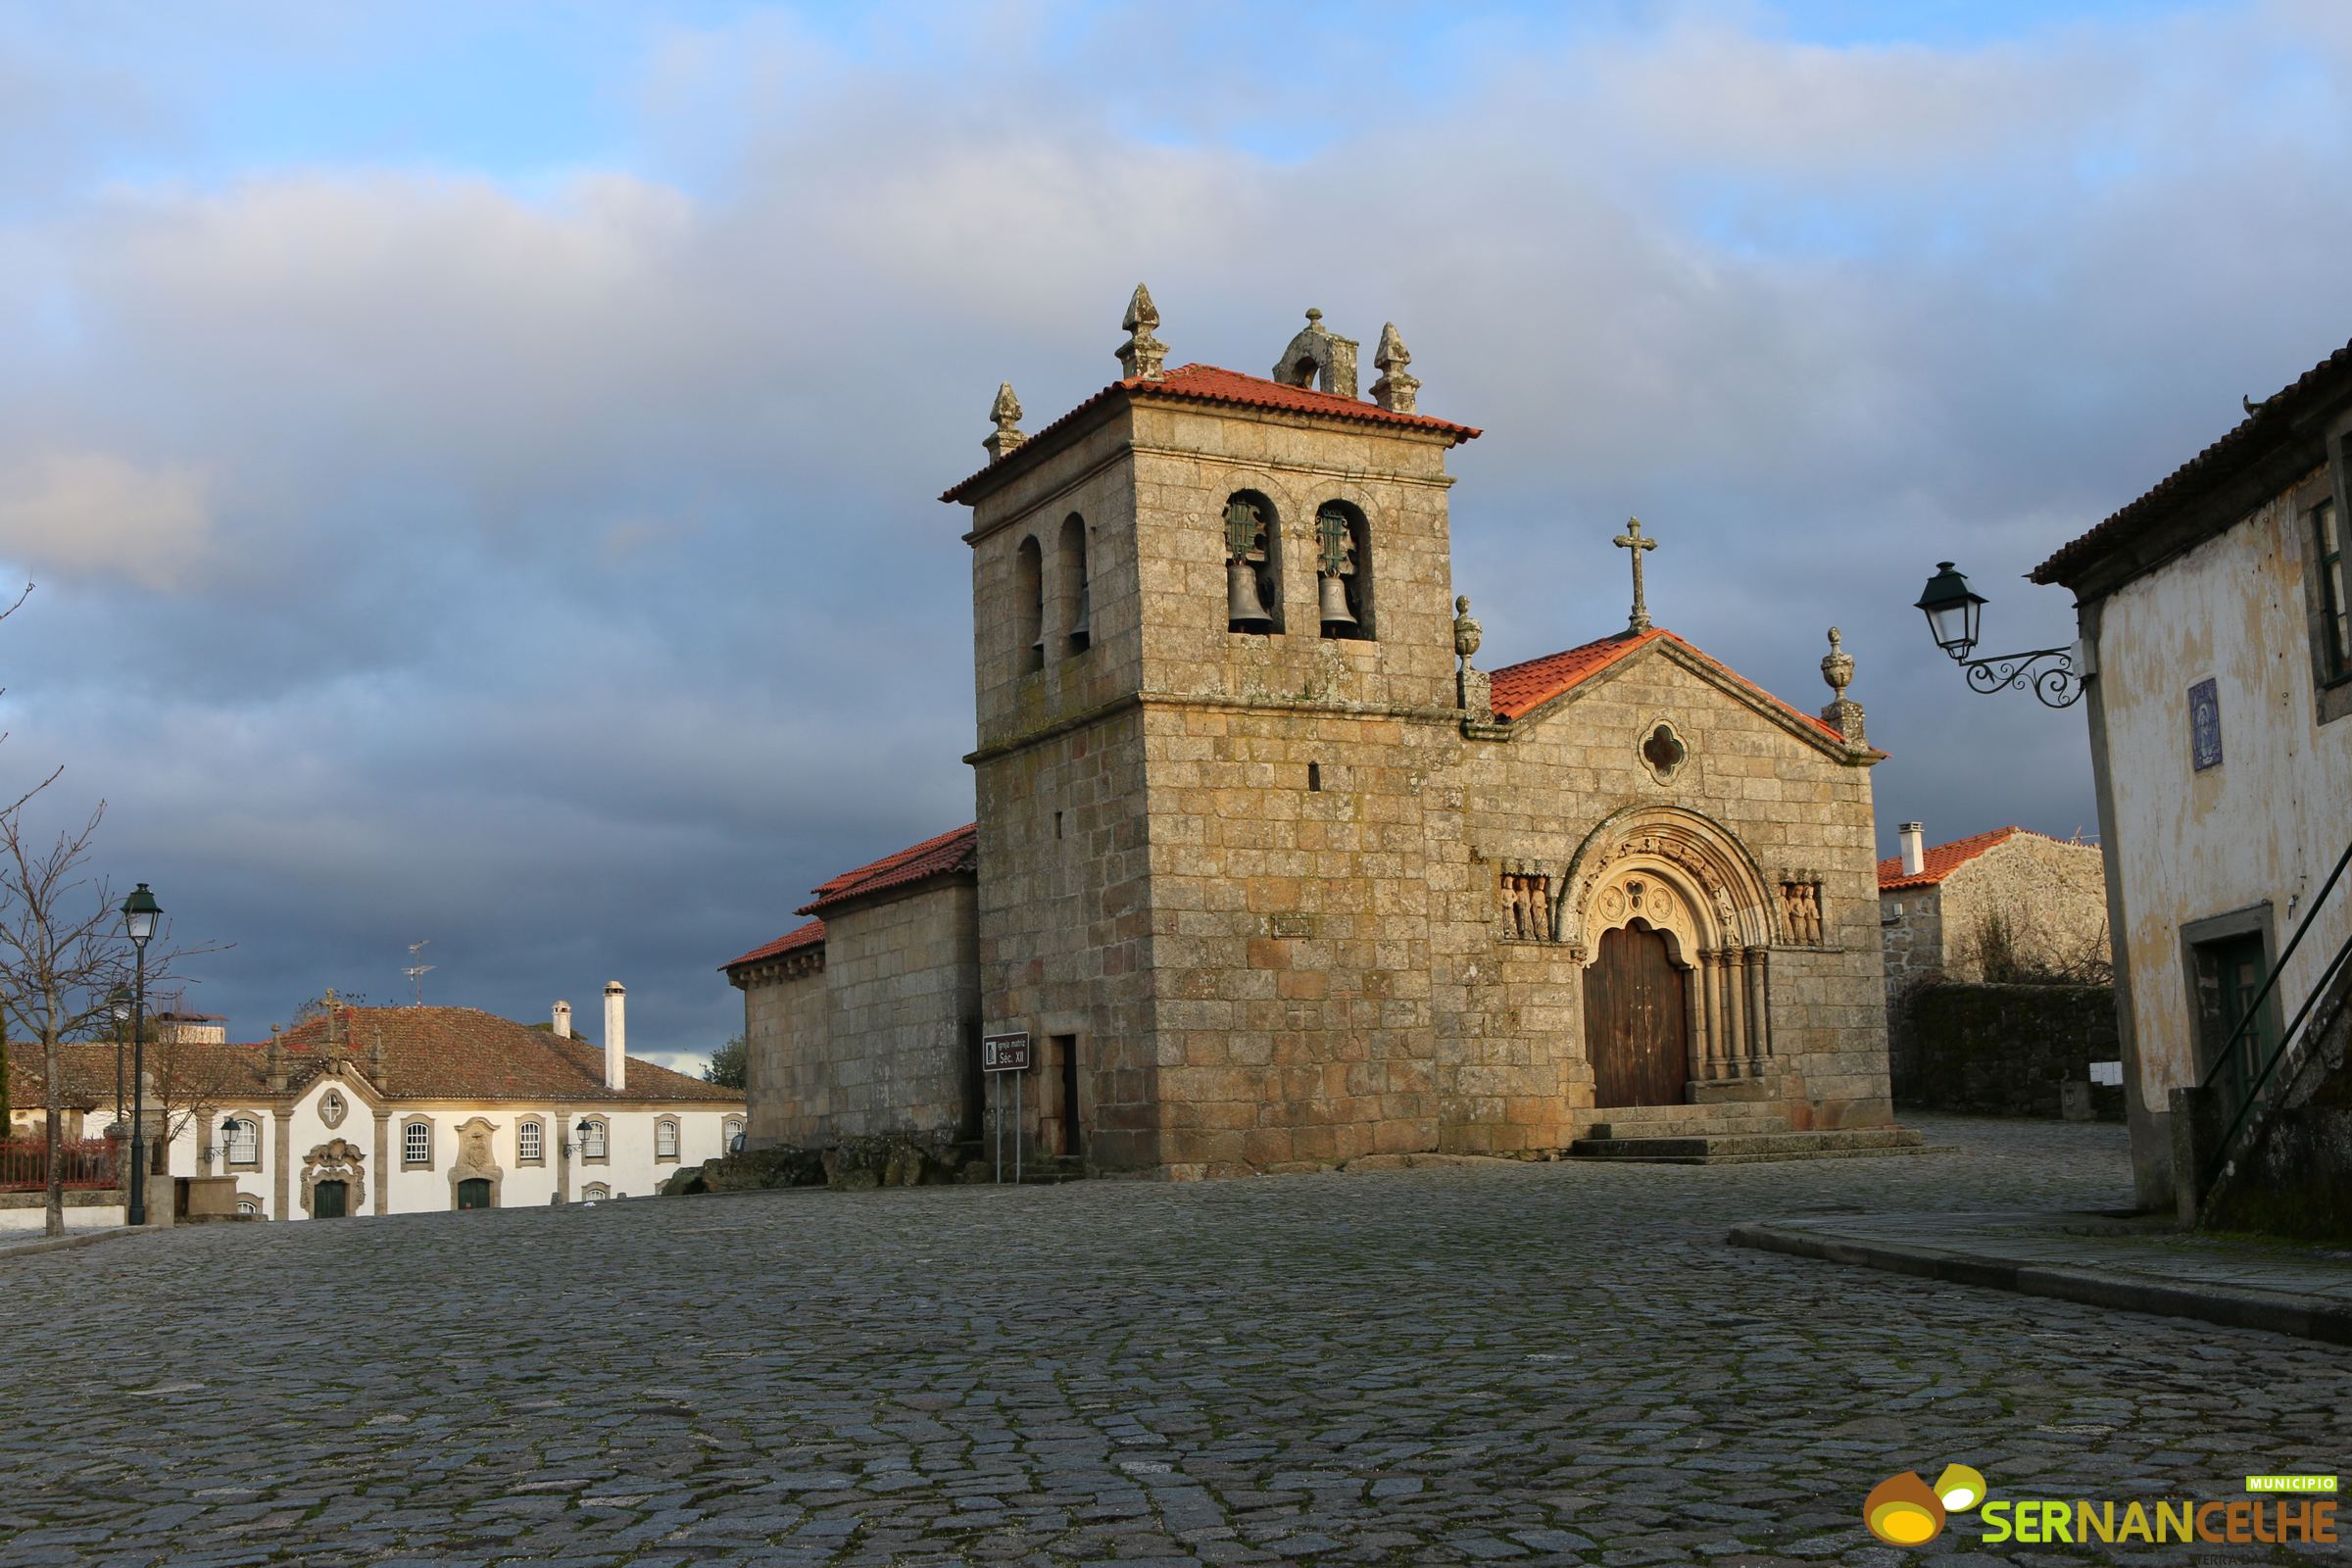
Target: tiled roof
[(1206, 383), (85, 1075), (1942, 860), (1521, 689), (799, 936), (467, 1053), (946, 855), (2277, 418)]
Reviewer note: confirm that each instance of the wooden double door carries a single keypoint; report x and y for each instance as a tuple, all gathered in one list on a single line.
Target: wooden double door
[(1636, 1020)]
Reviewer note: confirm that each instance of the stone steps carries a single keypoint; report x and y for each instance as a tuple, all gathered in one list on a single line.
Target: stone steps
[(1720, 1119), (1750, 1149)]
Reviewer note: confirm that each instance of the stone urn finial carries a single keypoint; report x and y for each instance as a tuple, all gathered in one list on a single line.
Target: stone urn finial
[(1473, 688), (1844, 713), (1005, 414), (1837, 668)]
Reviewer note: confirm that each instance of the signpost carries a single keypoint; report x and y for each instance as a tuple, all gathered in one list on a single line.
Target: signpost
[(1001, 1053)]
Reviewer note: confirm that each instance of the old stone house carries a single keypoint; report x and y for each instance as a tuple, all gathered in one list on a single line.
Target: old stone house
[(1272, 874), (2217, 656), (394, 1110), (2013, 898)]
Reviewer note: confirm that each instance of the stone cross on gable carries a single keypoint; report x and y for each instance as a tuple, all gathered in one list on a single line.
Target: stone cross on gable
[(1632, 540)]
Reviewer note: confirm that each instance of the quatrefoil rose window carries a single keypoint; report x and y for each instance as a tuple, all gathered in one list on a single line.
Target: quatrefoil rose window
[(1663, 751)]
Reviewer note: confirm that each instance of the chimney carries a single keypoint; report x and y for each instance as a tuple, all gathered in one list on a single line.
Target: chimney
[(562, 1020), (1915, 857), (617, 1062)]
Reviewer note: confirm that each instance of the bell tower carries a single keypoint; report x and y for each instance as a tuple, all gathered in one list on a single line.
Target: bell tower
[(1214, 664)]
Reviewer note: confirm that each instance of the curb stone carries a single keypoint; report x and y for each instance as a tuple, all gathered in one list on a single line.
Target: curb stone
[(2308, 1317), (55, 1244)]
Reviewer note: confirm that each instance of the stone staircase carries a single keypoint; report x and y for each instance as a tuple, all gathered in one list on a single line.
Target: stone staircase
[(1726, 1133)]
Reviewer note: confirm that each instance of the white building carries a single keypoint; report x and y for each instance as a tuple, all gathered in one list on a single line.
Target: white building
[(397, 1111), (2219, 641)]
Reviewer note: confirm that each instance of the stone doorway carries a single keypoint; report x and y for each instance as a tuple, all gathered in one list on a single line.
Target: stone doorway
[(330, 1201), (1636, 1019), (474, 1193)]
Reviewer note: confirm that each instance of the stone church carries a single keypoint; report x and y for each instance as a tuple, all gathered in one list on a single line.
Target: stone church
[(1273, 875)]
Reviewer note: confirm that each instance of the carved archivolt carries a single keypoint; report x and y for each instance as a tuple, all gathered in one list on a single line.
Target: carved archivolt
[(1694, 866)]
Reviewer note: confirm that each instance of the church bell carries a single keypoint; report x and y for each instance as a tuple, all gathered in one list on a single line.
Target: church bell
[(1335, 602), (1244, 610)]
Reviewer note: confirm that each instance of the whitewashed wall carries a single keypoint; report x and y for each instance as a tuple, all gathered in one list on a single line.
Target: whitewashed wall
[(2269, 823)]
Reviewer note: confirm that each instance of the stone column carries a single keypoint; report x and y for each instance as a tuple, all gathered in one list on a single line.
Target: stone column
[(1735, 987), (383, 1162), (1705, 1051), (281, 1133), (1758, 1010), (1694, 1021)]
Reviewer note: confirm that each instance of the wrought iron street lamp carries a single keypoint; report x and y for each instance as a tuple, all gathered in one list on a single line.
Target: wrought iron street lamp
[(1955, 613), (140, 911)]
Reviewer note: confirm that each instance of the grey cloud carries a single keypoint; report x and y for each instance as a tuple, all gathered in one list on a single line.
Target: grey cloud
[(578, 596)]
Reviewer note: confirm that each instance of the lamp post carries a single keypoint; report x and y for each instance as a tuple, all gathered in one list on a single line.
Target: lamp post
[(1955, 613), (139, 914), (118, 1004)]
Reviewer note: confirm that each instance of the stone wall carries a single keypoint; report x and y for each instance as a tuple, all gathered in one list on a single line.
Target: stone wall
[(2051, 896), (1911, 937), (2008, 1049), (879, 1040)]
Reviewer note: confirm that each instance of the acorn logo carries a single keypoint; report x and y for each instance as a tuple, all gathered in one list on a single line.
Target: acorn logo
[(1905, 1511)]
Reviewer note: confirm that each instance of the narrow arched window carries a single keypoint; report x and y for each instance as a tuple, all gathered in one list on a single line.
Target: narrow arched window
[(734, 1130), (665, 1139), (1029, 597), (1252, 564), (1077, 609), (1343, 570), (529, 1144), (592, 1138), (416, 1144)]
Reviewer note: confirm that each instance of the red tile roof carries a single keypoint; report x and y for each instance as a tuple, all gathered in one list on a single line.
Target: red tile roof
[(1942, 860), (429, 1053), (467, 1053), (1206, 383), (810, 935), (944, 855), (2279, 418), (1521, 689)]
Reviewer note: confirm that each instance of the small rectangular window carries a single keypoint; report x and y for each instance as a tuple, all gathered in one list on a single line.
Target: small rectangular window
[(665, 1139), (1314, 776), (2335, 612), (416, 1144), (529, 1141)]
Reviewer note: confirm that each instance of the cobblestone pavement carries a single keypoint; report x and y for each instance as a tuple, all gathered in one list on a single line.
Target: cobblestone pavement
[(1504, 1364)]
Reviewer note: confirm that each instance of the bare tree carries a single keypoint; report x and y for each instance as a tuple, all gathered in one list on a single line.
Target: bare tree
[(63, 953)]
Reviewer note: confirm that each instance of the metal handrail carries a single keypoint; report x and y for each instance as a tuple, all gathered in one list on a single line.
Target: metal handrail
[(2248, 1094)]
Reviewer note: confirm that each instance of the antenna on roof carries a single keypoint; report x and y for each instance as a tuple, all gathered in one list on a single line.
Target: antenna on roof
[(418, 972)]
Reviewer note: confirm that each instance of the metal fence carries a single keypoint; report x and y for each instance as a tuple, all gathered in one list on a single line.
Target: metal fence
[(82, 1164)]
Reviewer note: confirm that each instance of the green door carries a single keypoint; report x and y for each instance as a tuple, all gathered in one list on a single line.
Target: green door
[(330, 1200), (473, 1193), (2229, 976)]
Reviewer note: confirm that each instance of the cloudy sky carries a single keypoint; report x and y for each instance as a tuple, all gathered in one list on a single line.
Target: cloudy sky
[(478, 463)]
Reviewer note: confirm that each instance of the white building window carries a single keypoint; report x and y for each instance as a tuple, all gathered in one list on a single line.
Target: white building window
[(242, 1139), (529, 1145), (249, 1206), (733, 1132), (595, 1192), (416, 1144), (592, 1138), (665, 1139)]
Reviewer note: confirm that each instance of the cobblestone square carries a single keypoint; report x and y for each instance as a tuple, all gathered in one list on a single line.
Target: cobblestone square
[(1502, 1362)]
